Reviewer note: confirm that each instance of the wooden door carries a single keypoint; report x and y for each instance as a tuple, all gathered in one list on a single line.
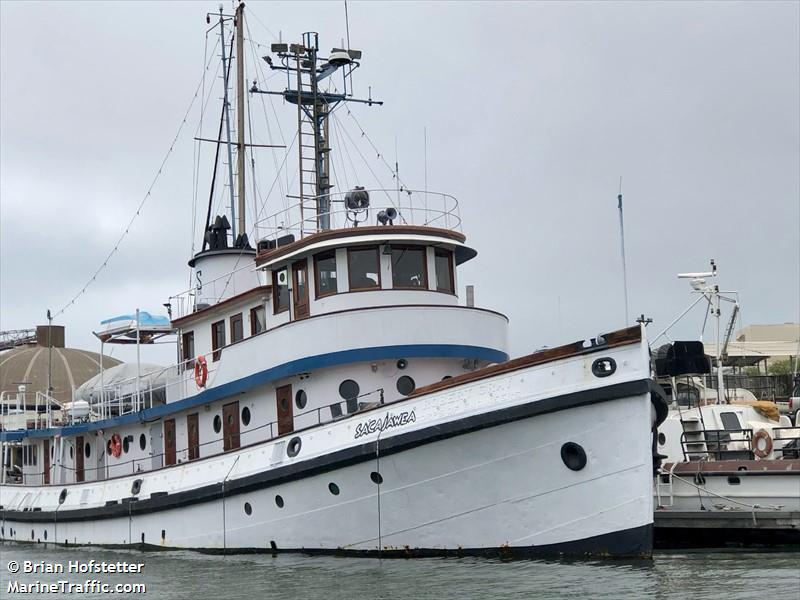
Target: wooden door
[(300, 289), (169, 442), (230, 426), (46, 462), (193, 434), (283, 397), (79, 474)]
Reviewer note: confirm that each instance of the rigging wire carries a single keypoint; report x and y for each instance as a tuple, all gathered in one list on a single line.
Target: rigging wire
[(147, 195)]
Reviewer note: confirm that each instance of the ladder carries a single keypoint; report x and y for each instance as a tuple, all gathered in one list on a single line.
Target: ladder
[(664, 489), (694, 438), (312, 133)]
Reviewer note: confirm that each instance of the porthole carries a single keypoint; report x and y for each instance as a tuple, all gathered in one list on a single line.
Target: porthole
[(734, 480), (603, 367), (142, 441), (62, 496), (126, 444), (293, 448), (230, 419), (87, 449), (246, 416), (349, 389), (406, 385), (662, 439), (376, 477), (136, 487), (279, 501), (402, 363), (333, 488), (217, 424), (574, 456), (248, 510), (301, 399)]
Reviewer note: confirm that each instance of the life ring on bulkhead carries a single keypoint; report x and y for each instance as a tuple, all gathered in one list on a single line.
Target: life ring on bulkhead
[(115, 445), (200, 371), (762, 443)]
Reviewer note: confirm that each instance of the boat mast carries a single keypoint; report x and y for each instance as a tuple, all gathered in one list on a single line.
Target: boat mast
[(227, 111), (240, 168)]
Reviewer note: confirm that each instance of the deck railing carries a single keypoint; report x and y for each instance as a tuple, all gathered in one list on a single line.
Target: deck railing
[(323, 414)]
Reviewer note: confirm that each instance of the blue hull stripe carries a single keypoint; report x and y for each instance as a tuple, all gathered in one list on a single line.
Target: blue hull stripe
[(245, 384)]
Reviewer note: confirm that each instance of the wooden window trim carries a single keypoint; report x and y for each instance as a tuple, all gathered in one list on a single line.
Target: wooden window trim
[(424, 251), (236, 319), (352, 288), (276, 292), (216, 348), (326, 254), (449, 255), (253, 320)]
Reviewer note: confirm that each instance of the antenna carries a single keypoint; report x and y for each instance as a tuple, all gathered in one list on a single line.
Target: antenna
[(622, 246), (347, 24)]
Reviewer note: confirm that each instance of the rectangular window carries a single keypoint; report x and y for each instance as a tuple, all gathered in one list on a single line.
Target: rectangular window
[(409, 268), (188, 349), (325, 273), (280, 291), (444, 271), (258, 320), (730, 421), (237, 328), (217, 338), (364, 267)]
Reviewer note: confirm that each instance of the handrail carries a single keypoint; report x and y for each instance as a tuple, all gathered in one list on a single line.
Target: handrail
[(134, 461)]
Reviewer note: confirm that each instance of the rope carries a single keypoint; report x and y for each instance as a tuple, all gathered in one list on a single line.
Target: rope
[(752, 507), (147, 195)]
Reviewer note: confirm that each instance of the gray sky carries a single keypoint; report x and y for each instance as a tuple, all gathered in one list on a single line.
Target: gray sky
[(533, 111)]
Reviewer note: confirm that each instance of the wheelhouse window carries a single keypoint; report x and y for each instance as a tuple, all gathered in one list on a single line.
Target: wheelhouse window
[(258, 320), (325, 273), (443, 259), (409, 268), (237, 328), (280, 287), (364, 267), (187, 349), (217, 339)]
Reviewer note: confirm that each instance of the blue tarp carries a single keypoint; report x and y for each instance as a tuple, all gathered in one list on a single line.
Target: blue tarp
[(145, 319)]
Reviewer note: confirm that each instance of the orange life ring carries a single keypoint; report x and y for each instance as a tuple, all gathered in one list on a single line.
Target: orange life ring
[(200, 371), (762, 443), (115, 445)]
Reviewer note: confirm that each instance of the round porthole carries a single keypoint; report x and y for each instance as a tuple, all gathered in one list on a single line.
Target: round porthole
[(62, 496), (293, 448), (126, 444), (217, 424), (603, 367), (574, 456), (142, 441), (662, 439), (136, 487), (87, 449), (376, 477), (246, 415), (402, 363), (248, 510), (406, 385), (279, 501), (333, 488), (300, 399), (349, 389)]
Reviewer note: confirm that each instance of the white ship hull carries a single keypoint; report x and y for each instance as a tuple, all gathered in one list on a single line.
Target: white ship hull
[(474, 468)]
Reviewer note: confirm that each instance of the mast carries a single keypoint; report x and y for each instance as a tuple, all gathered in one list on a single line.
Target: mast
[(227, 111), (240, 168)]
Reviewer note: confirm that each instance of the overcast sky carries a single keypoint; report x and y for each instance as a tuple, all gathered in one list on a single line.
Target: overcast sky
[(533, 111)]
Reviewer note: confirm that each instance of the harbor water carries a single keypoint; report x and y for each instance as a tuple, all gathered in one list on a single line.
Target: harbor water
[(189, 575)]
